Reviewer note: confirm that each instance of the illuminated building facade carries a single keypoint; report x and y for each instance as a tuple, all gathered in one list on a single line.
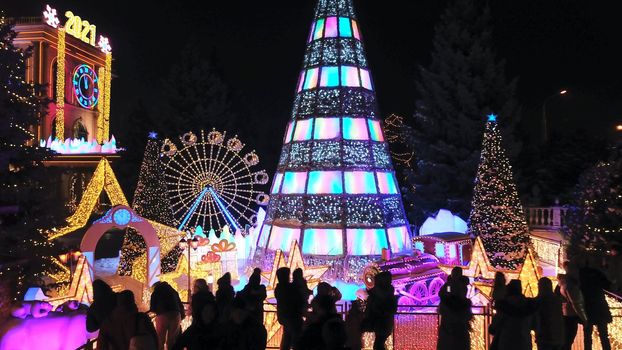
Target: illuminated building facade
[(335, 190), (74, 62), (75, 65)]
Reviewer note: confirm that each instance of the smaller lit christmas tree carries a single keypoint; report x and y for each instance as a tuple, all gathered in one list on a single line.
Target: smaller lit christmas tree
[(150, 202), (594, 221), (497, 215)]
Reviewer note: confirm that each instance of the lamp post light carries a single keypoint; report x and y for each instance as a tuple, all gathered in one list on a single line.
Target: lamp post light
[(187, 244), (545, 134)]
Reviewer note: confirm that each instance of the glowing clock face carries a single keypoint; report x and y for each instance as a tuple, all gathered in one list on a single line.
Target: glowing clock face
[(85, 86)]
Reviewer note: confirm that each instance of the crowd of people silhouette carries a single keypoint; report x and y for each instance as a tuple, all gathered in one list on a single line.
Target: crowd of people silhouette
[(230, 320)]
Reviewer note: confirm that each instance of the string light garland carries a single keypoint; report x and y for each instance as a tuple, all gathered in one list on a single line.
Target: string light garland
[(482, 271), (106, 99), (497, 215), (150, 202), (103, 179), (60, 84), (99, 135)]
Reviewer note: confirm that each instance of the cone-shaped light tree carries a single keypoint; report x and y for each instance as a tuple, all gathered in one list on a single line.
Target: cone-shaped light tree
[(150, 202), (497, 215), (335, 190)]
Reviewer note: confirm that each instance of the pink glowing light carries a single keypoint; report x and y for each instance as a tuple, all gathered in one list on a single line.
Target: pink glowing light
[(325, 182), (326, 128), (303, 130), (331, 27), (375, 131), (319, 29), (359, 182), (278, 178), (294, 182), (355, 29), (366, 79), (355, 128), (349, 76), (290, 131), (398, 238), (366, 241), (386, 183), (322, 241), (282, 237), (311, 79), (329, 76), (301, 81)]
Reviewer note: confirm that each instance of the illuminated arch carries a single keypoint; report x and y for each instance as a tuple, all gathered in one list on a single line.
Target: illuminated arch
[(120, 217)]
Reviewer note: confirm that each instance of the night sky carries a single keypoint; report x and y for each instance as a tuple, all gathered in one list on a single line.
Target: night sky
[(548, 44)]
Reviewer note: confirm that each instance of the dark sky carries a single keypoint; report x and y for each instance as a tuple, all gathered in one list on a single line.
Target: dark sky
[(259, 45)]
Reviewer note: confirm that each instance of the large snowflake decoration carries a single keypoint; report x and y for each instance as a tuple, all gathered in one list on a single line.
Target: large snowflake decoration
[(51, 17), (104, 44)]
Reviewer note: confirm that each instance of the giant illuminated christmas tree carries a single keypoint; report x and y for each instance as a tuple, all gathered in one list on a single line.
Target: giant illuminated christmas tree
[(497, 215), (335, 190)]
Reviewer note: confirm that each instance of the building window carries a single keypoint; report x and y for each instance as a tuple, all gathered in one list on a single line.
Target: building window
[(78, 131)]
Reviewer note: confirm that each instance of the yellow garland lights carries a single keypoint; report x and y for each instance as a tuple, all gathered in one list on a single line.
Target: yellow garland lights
[(106, 100), (103, 179), (483, 271), (312, 274), (60, 85)]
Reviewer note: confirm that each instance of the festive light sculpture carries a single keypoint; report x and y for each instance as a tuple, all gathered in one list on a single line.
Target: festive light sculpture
[(103, 179), (483, 272), (497, 215), (211, 182), (335, 190), (312, 275)]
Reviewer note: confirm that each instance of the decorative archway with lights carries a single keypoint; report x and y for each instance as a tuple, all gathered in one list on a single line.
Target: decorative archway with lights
[(120, 217)]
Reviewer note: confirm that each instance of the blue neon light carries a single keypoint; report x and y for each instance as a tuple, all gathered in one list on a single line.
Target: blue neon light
[(223, 208), (192, 209)]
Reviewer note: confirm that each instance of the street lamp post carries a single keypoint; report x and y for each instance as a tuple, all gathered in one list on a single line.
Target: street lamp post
[(187, 244), (544, 120)]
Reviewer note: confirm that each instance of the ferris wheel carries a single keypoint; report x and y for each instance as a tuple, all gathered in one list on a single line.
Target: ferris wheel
[(211, 182)]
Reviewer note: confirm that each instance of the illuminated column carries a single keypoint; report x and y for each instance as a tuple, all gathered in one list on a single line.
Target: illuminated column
[(101, 73), (106, 106), (60, 85), (335, 190)]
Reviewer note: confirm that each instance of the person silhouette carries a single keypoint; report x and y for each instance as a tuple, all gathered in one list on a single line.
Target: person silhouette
[(455, 312), (224, 297), (512, 324), (593, 284), (254, 294), (549, 320), (381, 308), (290, 306)]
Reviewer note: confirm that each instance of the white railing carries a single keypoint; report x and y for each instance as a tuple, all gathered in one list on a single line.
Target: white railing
[(546, 217)]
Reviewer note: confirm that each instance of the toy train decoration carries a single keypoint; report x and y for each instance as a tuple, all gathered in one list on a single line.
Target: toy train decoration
[(417, 279)]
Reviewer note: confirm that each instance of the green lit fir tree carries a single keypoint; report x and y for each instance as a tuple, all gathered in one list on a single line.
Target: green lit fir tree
[(400, 136), (463, 81), (497, 215), (594, 221), (150, 202), (26, 187)]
